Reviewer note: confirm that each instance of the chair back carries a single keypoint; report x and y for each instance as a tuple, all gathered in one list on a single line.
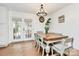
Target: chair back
[(36, 36), (40, 40), (69, 42), (42, 43)]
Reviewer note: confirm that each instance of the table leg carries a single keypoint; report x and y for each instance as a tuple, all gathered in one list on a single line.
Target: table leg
[(47, 50)]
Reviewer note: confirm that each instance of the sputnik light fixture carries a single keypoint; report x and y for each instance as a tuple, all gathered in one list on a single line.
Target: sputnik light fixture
[(41, 14)]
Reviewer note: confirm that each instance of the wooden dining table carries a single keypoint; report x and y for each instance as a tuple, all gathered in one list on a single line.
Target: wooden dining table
[(51, 37)]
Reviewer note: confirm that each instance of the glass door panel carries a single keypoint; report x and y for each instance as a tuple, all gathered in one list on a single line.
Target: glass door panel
[(28, 28), (17, 28), (22, 28)]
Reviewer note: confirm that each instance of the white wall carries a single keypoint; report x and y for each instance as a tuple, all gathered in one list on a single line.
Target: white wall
[(71, 24), (3, 26)]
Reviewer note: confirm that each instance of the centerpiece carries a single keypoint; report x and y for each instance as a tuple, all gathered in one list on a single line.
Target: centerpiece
[(47, 24)]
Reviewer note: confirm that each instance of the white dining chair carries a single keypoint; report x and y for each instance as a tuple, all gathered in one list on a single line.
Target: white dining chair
[(44, 46), (65, 45), (36, 41), (40, 43)]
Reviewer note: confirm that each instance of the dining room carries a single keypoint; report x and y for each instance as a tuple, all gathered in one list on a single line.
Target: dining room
[(39, 29)]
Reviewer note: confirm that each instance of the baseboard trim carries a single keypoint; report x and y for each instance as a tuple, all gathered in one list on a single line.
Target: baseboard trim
[(7, 44), (22, 41)]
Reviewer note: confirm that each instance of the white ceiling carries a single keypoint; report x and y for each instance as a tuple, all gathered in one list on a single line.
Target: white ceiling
[(34, 7)]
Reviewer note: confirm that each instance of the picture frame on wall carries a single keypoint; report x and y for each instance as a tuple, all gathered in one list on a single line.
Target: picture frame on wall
[(61, 19)]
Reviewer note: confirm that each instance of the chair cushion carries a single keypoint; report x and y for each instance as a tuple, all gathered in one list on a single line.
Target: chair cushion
[(60, 48)]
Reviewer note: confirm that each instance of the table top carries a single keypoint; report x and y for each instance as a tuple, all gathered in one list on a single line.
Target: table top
[(51, 36)]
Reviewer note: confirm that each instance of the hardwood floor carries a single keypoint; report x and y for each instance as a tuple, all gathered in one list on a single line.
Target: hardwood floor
[(74, 52), (20, 49), (25, 49)]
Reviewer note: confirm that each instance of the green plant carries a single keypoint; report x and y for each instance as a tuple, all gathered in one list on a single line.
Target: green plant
[(47, 25)]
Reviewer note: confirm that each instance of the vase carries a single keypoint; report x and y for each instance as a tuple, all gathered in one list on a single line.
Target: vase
[(46, 30)]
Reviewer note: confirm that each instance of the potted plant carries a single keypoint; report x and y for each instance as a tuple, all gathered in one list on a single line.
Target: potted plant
[(47, 25)]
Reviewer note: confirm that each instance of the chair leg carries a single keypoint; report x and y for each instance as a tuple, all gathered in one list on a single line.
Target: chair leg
[(68, 52), (61, 54), (52, 52), (47, 54), (42, 52), (35, 45), (38, 49)]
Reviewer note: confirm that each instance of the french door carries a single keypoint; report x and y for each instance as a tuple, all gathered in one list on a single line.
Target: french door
[(22, 28)]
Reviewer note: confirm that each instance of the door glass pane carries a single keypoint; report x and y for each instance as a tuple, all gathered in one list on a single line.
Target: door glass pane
[(28, 28), (16, 28)]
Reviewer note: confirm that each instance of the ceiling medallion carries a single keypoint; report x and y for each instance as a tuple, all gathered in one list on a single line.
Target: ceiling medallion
[(41, 14)]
